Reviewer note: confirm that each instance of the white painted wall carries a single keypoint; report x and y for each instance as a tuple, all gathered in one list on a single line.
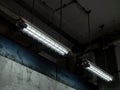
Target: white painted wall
[(14, 76)]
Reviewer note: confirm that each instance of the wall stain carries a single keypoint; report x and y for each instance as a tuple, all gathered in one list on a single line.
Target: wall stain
[(18, 53), (29, 72), (2, 64)]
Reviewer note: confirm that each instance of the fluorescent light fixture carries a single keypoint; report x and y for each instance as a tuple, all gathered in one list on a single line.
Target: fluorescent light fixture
[(99, 72), (45, 39)]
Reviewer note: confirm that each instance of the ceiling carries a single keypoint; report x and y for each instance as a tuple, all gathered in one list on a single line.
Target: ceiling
[(102, 12), (75, 20)]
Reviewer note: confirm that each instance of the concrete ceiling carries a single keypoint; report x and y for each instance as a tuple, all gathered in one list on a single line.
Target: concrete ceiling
[(102, 12), (75, 20)]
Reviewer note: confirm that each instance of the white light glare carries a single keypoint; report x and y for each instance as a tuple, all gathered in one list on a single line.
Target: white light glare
[(45, 39), (99, 72)]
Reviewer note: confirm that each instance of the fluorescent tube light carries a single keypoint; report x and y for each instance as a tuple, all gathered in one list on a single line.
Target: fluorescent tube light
[(99, 72), (45, 39)]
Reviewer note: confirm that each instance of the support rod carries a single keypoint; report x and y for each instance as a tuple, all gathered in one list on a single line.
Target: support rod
[(64, 6), (71, 2)]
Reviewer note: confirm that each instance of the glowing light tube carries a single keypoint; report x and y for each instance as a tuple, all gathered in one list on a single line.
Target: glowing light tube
[(45, 39), (99, 72)]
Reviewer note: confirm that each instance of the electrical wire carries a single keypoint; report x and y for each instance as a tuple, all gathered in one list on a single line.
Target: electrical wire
[(61, 18), (60, 25), (32, 9), (89, 30), (103, 46)]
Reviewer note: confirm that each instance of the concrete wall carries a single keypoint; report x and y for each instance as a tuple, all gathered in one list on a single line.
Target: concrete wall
[(14, 76)]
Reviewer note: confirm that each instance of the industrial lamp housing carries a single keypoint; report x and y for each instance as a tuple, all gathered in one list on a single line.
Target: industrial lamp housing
[(98, 71), (42, 37)]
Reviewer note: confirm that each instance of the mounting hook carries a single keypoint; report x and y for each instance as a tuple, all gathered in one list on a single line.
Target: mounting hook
[(88, 11), (20, 23)]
